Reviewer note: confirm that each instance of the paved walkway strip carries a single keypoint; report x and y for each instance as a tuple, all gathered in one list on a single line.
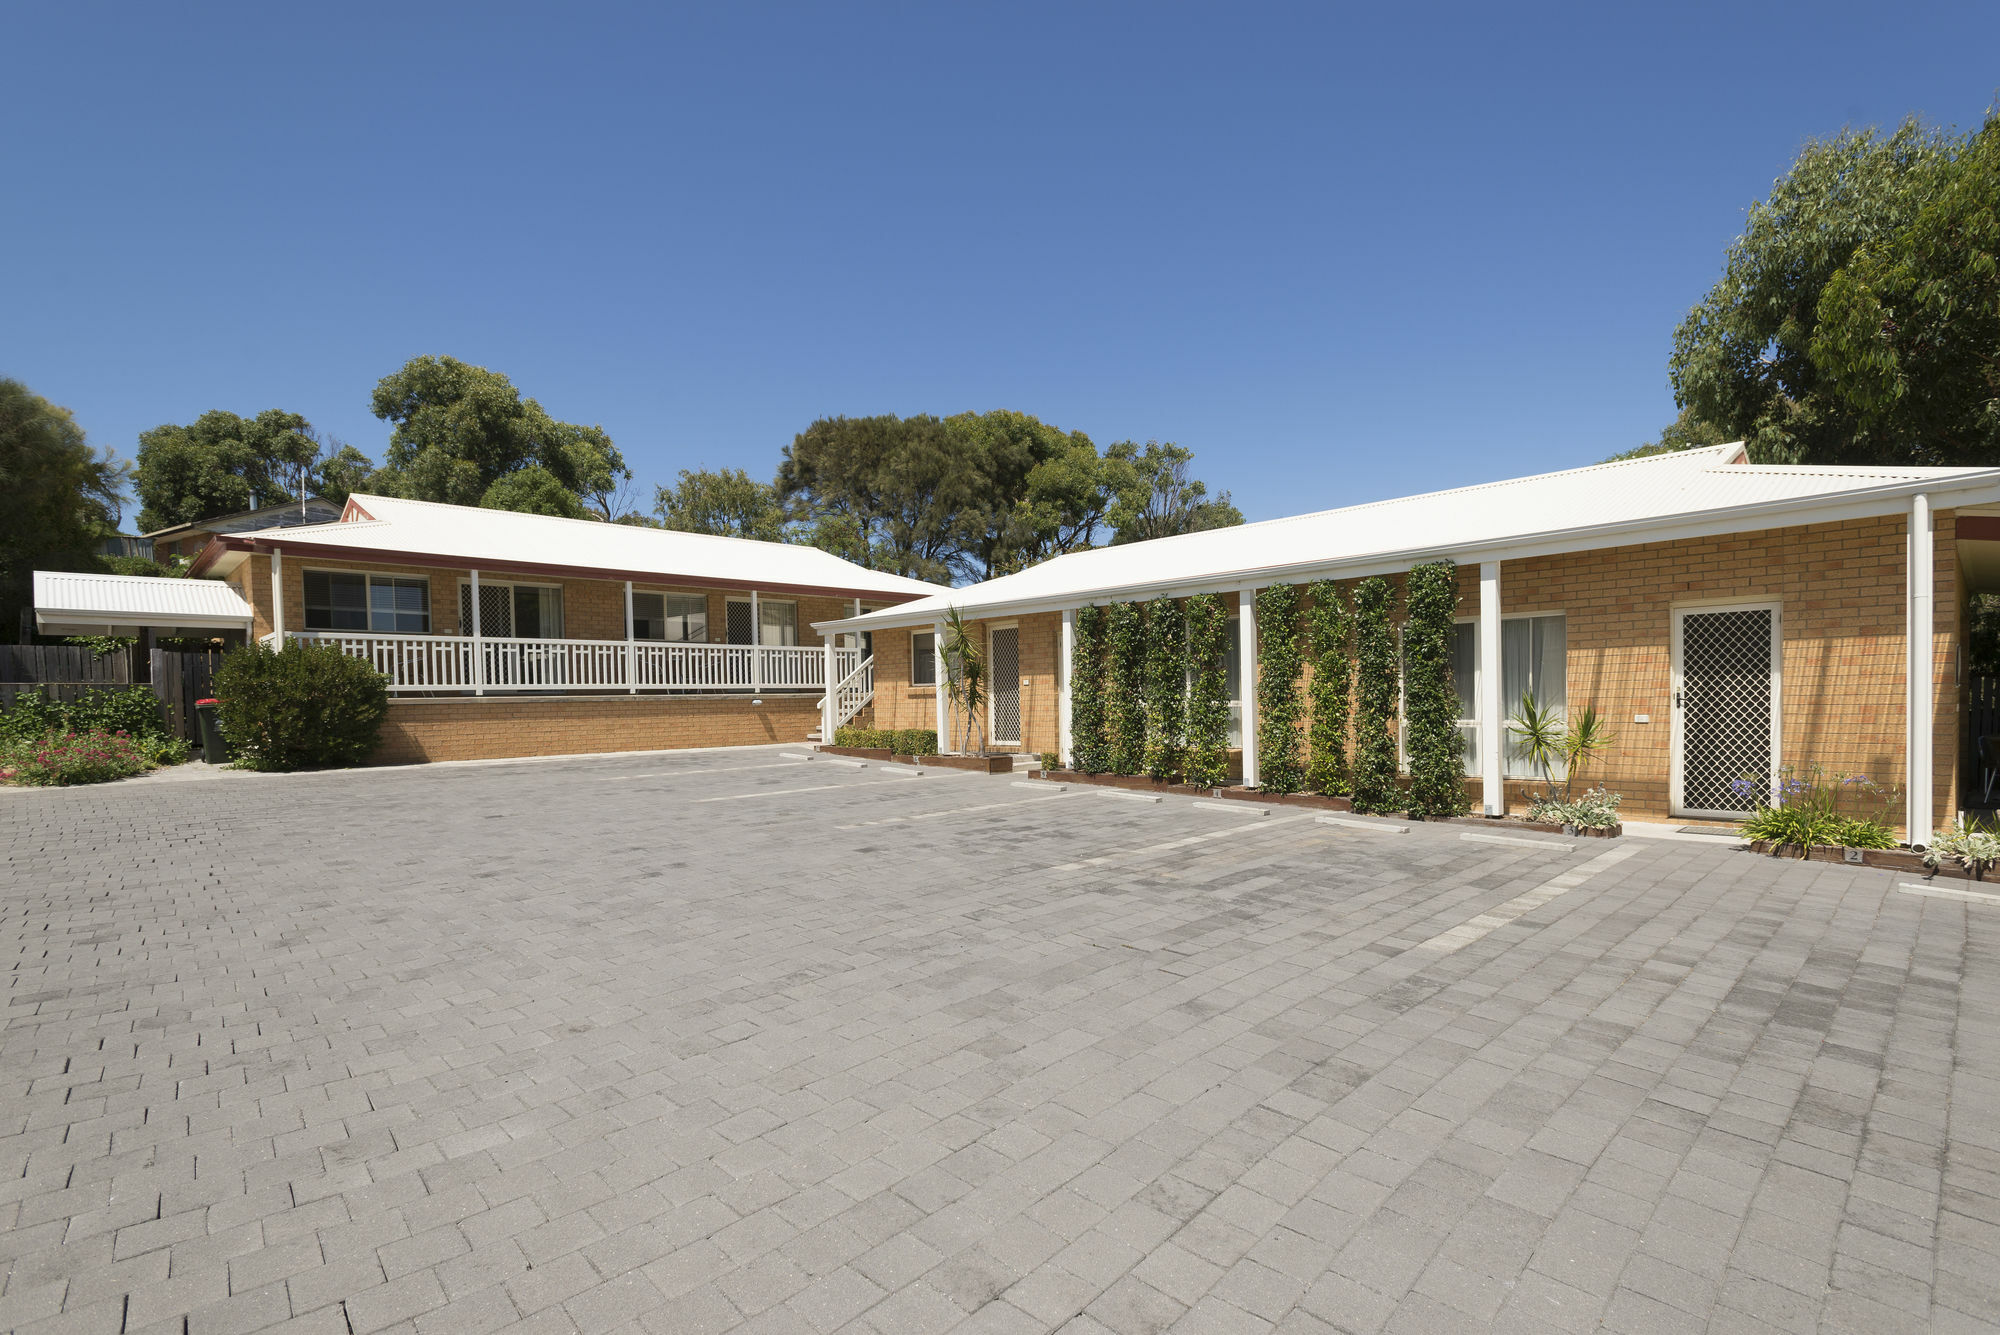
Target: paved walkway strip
[(1945, 892), (1173, 844), (1463, 935), (954, 811), (1234, 808), (709, 769), (1564, 845), (781, 792), (1366, 826)]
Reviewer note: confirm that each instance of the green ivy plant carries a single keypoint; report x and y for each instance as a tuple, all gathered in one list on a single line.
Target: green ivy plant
[(1279, 764), (1125, 700), (1089, 751), (1329, 633), (1430, 704), (1375, 699), (1207, 762), (1166, 689)]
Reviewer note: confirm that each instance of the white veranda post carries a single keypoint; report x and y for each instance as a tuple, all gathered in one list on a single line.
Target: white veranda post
[(756, 645), (631, 646), (1492, 710), (1921, 708), (943, 701), (1068, 653), (478, 641), (1246, 658), (277, 598), (826, 701)]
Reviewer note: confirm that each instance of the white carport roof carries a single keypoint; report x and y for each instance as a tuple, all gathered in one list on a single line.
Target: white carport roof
[(69, 603), (1664, 497)]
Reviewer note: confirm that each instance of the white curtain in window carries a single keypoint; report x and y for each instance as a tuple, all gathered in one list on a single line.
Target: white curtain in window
[(1533, 660), (780, 623)]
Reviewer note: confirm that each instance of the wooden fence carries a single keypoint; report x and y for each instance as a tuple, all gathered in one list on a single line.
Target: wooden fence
[(59, 671), (180, 679)]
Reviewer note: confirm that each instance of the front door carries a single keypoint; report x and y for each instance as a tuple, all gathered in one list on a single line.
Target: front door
[(1726, 714), (1003, 657)]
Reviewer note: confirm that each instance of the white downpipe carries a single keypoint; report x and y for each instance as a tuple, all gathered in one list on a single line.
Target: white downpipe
[(478, 640), (756, 646), (1064, 737), (937, 675), (1246, 657), (1920, 641), (631, 646), (826, 701), (1492, 709), (278, 597)]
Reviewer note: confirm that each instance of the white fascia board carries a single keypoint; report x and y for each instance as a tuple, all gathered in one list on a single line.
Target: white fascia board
[(1873, 502)]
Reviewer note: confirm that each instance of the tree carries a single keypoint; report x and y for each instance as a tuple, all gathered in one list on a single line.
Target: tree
[(727, 502), (1685, 432), (461, 428), (221, 464), (1155, 497), (1743, 359), (1908, 332), (534, 490), (58, 496), (1016, 489), (883, 491)]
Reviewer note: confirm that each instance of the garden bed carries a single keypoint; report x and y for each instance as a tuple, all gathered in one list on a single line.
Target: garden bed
[(1889, 859), (977, 764), (860, 752)]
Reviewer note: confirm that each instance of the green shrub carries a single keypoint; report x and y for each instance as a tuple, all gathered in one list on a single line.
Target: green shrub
[(304, 706), (1207, 761), (91, 756), (1124, 696), (914, 742), (1329, 631), (1278, 666), (164, 750), (1051, 762), (1430, 706), (1375, 699), (1089, 749), (1593, 809), (1166, 689), (129, 709)]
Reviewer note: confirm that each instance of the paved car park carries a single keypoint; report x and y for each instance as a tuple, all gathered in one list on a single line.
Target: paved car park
[(729, 1041)]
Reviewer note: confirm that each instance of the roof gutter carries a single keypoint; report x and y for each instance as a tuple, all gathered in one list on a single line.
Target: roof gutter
[(1889, 498)]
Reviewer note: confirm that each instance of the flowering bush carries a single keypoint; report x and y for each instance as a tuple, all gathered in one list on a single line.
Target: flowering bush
[(77, 757), (1805, 809), (1974, 850), (1593, 809)]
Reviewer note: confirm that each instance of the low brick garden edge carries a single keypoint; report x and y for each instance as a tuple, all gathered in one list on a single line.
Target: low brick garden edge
[(980, 764), (1889, 859)]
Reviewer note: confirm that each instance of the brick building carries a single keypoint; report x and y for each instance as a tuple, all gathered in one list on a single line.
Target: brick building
[(588, 636), (1727, 618)]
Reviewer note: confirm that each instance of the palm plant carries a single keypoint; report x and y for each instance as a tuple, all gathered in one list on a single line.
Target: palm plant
[(1548, 740), (966, 667)]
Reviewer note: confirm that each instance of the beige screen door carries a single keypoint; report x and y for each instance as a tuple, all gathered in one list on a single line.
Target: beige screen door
[(1726, 714), (1004, 702)]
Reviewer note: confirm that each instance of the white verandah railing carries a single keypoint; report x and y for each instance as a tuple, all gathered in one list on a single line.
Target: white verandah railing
[(461, 663)]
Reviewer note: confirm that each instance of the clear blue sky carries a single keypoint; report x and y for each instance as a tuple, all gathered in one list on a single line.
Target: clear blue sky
[(1341, 252)]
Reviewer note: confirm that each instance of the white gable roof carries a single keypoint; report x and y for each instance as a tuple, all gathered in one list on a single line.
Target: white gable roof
[(68, 603), (1605, 505), (384, 527)]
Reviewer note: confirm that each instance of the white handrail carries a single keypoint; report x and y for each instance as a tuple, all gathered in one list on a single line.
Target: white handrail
[(853, 692), (448, 663)]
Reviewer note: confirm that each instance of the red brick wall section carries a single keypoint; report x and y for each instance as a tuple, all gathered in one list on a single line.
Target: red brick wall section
[(898, 704), (471, 728)]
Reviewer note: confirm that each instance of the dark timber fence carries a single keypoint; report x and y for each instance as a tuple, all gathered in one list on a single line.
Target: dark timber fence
[(59, 671), (180, 679), (1982, 719)]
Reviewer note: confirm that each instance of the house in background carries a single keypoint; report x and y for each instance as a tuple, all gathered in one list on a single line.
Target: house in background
[(187, 540), (586, 636), (1726, 618)]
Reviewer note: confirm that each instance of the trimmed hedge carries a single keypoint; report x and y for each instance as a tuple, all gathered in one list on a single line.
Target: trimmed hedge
[(1375, 699), (1329, 632), (898, 741), (1208, 702), (1166, 689), (1278, 767), (1089, 749), (1125, 700), (305, 706), (1430, 701)]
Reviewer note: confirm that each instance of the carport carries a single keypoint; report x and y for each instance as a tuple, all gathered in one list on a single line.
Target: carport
[(71, 603)]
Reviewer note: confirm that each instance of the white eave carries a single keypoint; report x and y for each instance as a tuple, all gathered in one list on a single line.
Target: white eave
[(1662, 498), (71, 603)]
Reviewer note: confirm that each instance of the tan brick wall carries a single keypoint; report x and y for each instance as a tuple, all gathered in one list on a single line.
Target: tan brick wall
[(898, 704), (468, 728)]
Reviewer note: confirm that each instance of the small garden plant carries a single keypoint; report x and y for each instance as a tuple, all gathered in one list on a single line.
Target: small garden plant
[(57, 758), (99, 736), (1592, 809), (305, 706), (1806, 809), (1970, 847)]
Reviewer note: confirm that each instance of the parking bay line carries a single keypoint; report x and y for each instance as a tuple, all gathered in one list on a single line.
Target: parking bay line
[(815, 788), (1473, 929), (1169, 844), (955, 811), (712, 769), (1946, 892)]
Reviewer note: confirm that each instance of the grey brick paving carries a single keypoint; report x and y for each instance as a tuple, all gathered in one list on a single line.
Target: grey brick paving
[(562, 1047)]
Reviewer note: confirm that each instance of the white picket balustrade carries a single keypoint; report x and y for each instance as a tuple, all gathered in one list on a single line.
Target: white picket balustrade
[(445, 663)]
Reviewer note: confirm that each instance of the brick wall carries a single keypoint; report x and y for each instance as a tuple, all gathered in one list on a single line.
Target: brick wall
[(474, 728), (899, 704)]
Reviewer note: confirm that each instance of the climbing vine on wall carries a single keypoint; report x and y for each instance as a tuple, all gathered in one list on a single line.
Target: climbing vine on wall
[(1329, 632), (1166, 689), (1124, 696), (1430, 698), (1208, 701), (1375, 699), (1087, 749), (1278, 762)]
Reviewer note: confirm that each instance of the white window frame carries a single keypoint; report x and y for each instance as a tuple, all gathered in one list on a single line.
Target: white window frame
[(1478, 677), (665, 595), (510, 585), (762, 604), (928, 657), (368, 579)]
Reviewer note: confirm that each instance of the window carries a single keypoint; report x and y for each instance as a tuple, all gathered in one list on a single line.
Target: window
[(923, 658), (678, 618), (1232, 677), (1533, 660), (390, 604), (1464, 657), (779, 622), (513, 611)]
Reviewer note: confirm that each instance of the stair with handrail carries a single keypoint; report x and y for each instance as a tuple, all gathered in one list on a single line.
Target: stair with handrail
[(850, 696)]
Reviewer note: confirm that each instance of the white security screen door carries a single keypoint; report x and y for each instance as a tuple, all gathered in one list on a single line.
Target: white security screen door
[(1004, 674), (1726, 713), (740, 624)]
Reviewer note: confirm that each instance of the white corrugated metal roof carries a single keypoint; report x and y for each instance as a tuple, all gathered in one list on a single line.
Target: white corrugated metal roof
[(1604, 505), (505, 538), (66, 597)]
